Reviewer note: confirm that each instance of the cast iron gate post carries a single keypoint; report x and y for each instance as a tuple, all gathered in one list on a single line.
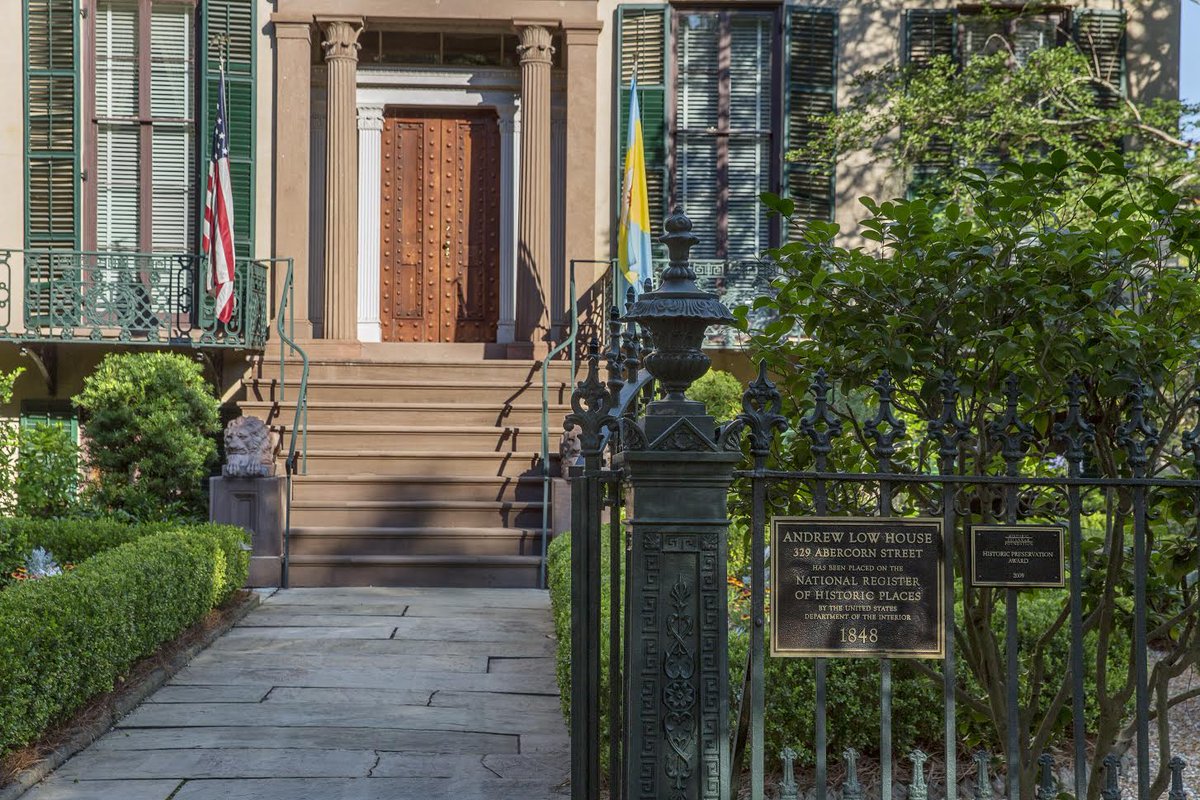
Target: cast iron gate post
[(679, 465)]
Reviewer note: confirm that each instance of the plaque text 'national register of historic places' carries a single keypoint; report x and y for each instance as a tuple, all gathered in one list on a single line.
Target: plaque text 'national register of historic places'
[(857, 587)]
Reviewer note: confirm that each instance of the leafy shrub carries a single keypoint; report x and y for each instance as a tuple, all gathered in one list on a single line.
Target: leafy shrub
[(69, 638), (152, 421), (47, 471), (73, 540), (8, 452), (720, 392)]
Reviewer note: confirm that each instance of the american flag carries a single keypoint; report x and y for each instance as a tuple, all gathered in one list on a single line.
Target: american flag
[(217, 238)]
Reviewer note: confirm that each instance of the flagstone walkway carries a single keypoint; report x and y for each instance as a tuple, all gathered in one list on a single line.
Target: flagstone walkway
[(348, 694)]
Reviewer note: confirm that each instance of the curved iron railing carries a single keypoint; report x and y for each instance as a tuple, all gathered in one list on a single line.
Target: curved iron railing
[(155, 299), (296, 461)]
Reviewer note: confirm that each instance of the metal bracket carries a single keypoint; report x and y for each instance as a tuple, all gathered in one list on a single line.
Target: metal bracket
[(45, 358)]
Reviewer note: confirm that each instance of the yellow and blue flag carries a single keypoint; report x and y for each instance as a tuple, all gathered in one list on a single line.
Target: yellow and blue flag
[(633, 234)]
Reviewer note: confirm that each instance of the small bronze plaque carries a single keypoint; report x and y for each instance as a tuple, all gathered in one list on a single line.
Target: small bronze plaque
[(1018, 556), (857, 587)]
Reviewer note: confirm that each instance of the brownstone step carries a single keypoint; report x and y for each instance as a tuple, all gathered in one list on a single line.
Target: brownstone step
[(340, 541), (429, 462), (448, 438), (499, 393), (459, 571), (515, 372), (527, 488), (415, 513), (527, 414)]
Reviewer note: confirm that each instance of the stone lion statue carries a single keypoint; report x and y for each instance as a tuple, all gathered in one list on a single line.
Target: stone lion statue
[(249, 449), (569, 449)]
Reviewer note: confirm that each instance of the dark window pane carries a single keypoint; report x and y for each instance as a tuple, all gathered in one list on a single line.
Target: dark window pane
[(472, 49), (408, 47)]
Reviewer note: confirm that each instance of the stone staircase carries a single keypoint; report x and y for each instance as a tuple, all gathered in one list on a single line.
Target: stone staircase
[(424, 463)]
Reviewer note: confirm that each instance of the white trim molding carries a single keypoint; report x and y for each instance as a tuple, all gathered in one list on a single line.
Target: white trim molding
[(370, 135)]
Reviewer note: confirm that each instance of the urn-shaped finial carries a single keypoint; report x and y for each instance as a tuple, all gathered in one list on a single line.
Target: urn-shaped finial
[(677, 314)]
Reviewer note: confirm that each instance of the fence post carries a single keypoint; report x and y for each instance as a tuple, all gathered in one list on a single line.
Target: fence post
[(680, 466)]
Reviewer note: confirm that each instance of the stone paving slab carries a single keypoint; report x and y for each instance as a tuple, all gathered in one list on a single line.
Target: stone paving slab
[(292, 642), (393, 740), (381, 677), (348, 694)]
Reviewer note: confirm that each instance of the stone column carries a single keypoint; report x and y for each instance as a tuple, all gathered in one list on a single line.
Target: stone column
[(533, 253), (293, 71), (510, 157), (581, 173), (370, 135), (341, 179)]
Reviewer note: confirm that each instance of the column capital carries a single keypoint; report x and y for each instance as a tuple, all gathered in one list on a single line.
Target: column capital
[(582, 35), (534, 46), (370, 118), (292, 27), (341, 37)]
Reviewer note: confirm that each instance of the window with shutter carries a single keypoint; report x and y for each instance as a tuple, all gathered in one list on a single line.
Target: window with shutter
[(642, 45), (51, 129), (927, 35), (1100, 35), (145, 131), (811, 93), (232, 22), (722, 135), (50, 412)]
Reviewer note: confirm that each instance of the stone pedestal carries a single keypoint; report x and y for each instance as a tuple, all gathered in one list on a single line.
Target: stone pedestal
[(676, 688), (255, 504)]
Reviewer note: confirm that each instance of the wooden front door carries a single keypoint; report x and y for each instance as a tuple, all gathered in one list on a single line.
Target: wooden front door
[(440, 248)]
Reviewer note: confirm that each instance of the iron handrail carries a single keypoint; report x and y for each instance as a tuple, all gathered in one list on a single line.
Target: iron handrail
[(296, 461), (133, 298), (569, 341)]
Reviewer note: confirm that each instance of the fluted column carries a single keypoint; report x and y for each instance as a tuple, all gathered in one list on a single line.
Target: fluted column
[(293, 70), (370, 135), (533, 253), (341, 179)]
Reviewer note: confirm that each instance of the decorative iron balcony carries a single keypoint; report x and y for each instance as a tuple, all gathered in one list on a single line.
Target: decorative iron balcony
[(128, 298)]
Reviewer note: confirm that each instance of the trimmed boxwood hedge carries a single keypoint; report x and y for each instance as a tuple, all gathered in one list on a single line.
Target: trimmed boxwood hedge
[(69, 540), (66, 639)]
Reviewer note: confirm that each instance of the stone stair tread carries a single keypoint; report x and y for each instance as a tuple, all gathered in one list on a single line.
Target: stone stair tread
[(408, 383), (450, 429), (375, 477), (430, 453), (465, 560), (448, 503), (352, 531), (373, 405)]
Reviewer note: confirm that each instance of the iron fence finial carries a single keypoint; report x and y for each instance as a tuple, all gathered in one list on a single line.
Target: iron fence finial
[(885, 439)]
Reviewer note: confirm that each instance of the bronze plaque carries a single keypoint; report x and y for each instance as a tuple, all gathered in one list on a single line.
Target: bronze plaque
[(855, 587), (1018, 556)]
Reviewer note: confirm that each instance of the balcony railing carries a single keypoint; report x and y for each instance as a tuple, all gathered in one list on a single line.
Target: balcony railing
[(128, 298)]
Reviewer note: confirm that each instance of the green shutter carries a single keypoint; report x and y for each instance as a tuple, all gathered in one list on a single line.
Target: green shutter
[(1100, 35), (928, 34), (50, 412), (234, 19), (642, 41), (51, 34), (812, 60)]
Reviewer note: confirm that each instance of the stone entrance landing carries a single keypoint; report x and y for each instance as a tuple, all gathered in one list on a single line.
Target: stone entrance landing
[(348, 694)]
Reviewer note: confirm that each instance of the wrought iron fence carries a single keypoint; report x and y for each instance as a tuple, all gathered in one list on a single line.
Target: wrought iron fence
[(129, 298), (959, 477), (965, 476)]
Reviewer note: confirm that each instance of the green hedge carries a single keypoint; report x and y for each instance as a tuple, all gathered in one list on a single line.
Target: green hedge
[(71, 541), (66, 639)]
